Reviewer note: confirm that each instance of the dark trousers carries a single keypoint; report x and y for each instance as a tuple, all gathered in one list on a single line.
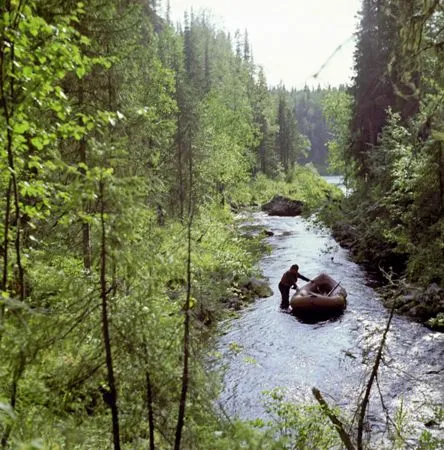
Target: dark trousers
[(285, 293)]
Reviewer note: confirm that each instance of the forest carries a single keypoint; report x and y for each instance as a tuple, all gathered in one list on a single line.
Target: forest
[(128, 146)]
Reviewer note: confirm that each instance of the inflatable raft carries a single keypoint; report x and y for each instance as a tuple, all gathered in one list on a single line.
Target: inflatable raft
[(320, 299)]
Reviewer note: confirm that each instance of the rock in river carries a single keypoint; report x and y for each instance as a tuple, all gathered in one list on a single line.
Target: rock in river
[(257, 288), (283, 206)]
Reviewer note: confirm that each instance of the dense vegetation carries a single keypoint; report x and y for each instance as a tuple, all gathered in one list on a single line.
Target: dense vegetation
[(389, 130), (123, 144), (307, 110)]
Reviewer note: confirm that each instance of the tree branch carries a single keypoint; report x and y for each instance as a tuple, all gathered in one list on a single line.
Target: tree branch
[(373, 374), (345, 438)]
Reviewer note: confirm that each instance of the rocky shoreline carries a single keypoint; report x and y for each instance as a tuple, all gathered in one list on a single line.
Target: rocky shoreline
[(247, 292), (424, 304)]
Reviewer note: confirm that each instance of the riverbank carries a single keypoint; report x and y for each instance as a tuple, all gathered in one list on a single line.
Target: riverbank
[(424, 304)]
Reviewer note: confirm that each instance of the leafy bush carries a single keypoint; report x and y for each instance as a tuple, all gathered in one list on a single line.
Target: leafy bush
[(300, 426), (302, 183)]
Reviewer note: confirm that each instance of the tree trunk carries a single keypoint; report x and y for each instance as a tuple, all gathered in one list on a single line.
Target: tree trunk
[(105, 328), (6, 238), (372, 378), (441, 177), (86, 234), (345, 438), (149, 403), (18, 372), (186, 336)]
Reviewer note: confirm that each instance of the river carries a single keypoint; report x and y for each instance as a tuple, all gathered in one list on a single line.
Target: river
[(264, 348)]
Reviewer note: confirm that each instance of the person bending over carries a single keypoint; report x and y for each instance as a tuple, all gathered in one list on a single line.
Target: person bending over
[(289, 280)]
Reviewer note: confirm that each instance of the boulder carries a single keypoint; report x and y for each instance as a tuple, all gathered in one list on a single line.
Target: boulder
[(258, 288), (434, 292), (283, 206)]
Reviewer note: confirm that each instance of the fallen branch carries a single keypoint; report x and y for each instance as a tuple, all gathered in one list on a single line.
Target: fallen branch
[(372, 379), (345, 438)]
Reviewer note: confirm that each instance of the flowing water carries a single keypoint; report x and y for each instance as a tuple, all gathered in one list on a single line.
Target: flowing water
[(265, 348)]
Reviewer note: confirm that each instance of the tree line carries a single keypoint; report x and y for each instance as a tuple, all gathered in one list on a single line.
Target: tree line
[(388, 138)]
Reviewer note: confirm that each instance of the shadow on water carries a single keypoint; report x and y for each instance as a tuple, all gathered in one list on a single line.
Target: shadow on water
[(278, 350), (317, 318)]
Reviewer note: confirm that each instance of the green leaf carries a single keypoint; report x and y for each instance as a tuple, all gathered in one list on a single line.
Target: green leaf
[(37, 142), (80, 71), (20, 128), (27, 71), (438, 135)]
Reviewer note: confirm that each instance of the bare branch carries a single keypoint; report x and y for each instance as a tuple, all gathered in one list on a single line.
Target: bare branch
[(345, 438), (371, 380)]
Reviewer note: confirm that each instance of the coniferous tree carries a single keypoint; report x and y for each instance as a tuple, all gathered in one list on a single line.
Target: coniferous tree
[(267, 161), (290, 144), (395, 147), (372, 89), (312, 124)]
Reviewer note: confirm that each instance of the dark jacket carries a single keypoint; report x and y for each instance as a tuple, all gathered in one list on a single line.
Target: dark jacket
[(290, 278)]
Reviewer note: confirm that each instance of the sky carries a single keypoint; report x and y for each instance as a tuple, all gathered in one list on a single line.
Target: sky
[(291, 39)]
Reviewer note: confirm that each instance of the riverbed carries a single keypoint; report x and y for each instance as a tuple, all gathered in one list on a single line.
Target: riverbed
[(265, 349)]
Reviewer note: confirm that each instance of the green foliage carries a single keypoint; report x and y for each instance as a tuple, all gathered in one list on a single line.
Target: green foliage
[(437, 323), (308, 108), (337, 108), (394, 157), (290, 145), (429, 442), (224, 142), (115, 130), (302, 183), (300, 426)]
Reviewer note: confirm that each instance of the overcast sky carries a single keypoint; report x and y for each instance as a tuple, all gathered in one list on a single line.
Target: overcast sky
[(291, 39)]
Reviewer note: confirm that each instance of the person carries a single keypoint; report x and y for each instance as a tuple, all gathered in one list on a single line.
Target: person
[(289, 280)]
